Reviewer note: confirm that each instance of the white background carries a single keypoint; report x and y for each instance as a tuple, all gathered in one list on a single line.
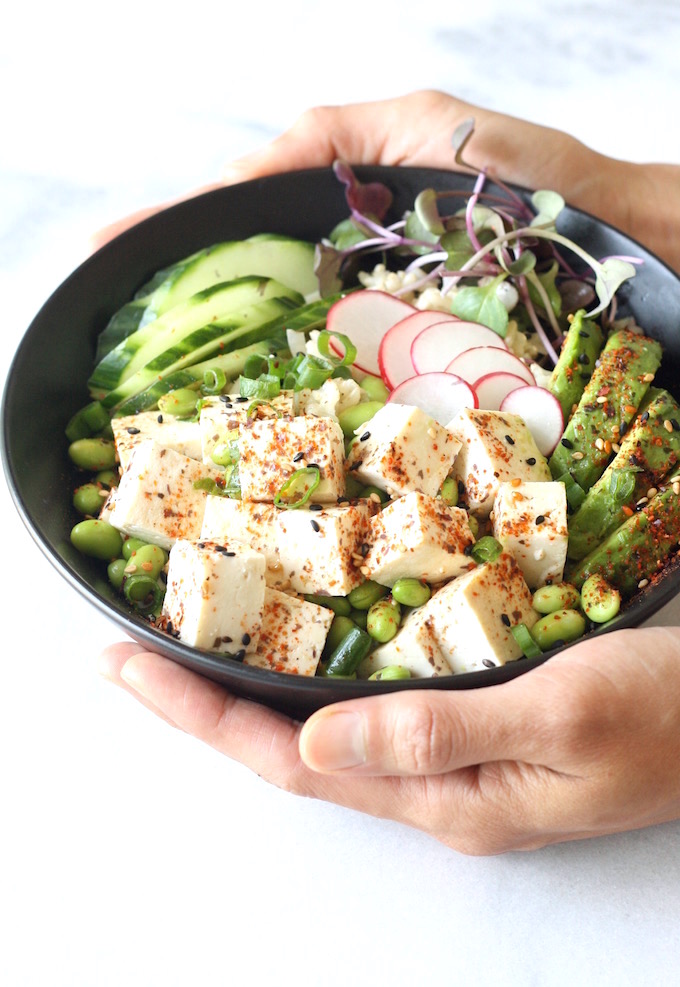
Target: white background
[(131, 855)]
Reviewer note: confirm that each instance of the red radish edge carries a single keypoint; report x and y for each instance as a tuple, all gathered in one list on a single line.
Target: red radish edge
[(541, 412), (437, 345), (364, 317), (491, 389), (394, 352), (478, 361), (438, 394)]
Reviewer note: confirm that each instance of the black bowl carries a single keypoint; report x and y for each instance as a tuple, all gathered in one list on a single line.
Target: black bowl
[(56, 354)]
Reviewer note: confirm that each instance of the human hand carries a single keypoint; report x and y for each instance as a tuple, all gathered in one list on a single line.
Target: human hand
[(584, 745)]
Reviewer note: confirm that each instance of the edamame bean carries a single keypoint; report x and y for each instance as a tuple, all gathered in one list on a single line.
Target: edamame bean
[(338, 604), (375, 387), (147, 560), (473, 524), (180, 402), (130, 546), (360, 618), (411, 592), (363, 597), (93, 454), (382, 621), (88, 499), (338, 630), (600, 600), (108, 478), (99, 539), (559, 627), (390, 673), (371, 492), (359, 414), (560, 596), (449, 491), (116, 572)]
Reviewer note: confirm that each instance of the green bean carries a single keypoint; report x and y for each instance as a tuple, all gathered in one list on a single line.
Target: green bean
[(180, 402), (364, 596), (147, 560), (390, 673), (411, 592), (449, 491), (349, 654), (600, 600), (93, 454), (88, 499), (360, 618), (353, 418), (383, 618), (337, 632), (108, 478), (338, 604), (116, 572), (559, 627), (99, 539), (130, 546), (560, 596), (375, 387)]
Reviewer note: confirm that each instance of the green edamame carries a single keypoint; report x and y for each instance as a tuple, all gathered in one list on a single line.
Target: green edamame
[(600, 600), (473, 524), (108, 478), (93, 454), (98, 539), (147, 560), (449, 491), (375, 387), (116, 572), (180, 402), (337, 632), (558, 627), (89, 498), (383, 619), (353, 418), (411, 592), (560, 596), (364, 596), (338, 604), (390, 673), (130, 546), (371, 492), (360, 618)]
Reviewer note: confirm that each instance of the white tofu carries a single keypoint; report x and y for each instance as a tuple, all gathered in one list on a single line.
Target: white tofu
[(293, 634), (415, 647), (495, 447), (252, 524), (166, 430), (472, 615), (156, 499), (272, 450), (221, 417), (530, 521), (215, 595), (418, 537), (317, 549), (403, 450)]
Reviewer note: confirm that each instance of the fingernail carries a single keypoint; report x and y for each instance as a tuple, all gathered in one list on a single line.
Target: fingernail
[(333, 741)]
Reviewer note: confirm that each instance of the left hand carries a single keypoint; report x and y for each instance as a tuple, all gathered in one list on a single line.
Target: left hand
[(586, 744)]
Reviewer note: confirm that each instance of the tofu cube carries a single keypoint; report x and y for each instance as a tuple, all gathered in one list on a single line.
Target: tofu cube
[(418, 537), (495, 446), (271, 450), (156, 499), (221, 417), (215, 595), (530, 521), (320, 551), (167, 431), (415, 647), (252, 524), (292, 636), (472, 615), (402, 449)]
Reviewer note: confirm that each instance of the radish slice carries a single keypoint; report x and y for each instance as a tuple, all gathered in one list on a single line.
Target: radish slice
[(439, 395), (480, 360), (491, 389), (439, 344), (394, 352), (364, 317), (541, 412)]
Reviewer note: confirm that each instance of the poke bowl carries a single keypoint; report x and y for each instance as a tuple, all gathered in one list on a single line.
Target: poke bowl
[(57, 354)]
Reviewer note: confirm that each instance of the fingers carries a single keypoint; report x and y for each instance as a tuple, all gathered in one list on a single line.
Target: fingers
[(111, 662)]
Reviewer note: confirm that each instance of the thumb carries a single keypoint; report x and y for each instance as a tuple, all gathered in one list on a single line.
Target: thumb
[(421, 733)]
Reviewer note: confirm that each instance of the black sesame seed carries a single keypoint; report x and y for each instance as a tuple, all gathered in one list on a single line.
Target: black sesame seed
[(245, 640), (315, 525), (505, 619), (468, 550), (365, 549), (583, 359), (312, 466), (240, 655), (582, 334), (509, 439), (531, 461), (644, 417), (584, 376), (230, 555), (201, 544), (298, 456), (567, 443), (488, 663), (540, 519), (355, 466), (675, 424), (160, 419), (316, 507), (132, 430), (366, 435), (242, 399), (623, 429)]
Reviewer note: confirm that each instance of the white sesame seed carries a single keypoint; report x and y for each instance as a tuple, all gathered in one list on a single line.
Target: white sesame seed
[(643, 583)]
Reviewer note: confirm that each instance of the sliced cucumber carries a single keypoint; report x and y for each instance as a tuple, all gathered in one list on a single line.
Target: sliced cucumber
[(222, 306), (268, 255)]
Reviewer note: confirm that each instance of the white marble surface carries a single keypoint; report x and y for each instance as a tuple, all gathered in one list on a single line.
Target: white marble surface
[(131, 854)]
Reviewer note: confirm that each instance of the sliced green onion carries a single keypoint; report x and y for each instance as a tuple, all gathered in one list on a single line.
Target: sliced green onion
[(313, 372), (214, 381), (210, 486), (323, 346), (486, 549), (298, 488), (232, 482), (266, 386), (254, 366), (254, 405), (142, 591), (521, 634)]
